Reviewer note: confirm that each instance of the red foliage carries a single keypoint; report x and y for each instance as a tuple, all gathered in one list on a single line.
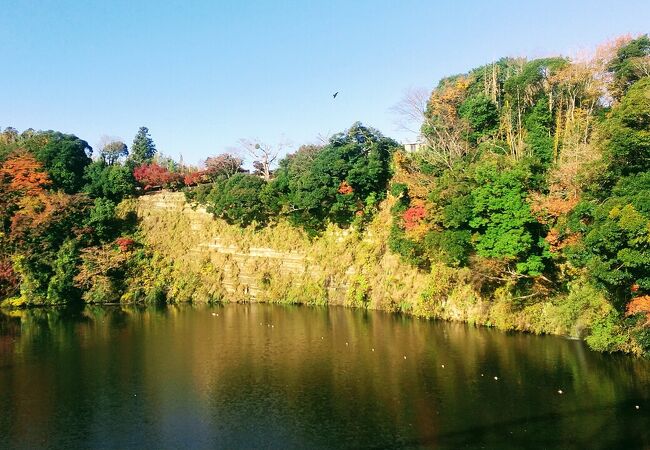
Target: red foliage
[(194, 178), (8, 279), (125, 244), (345, 188), (154, 175), (413, 216)]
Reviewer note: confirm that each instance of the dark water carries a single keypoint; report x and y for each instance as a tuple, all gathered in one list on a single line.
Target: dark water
[(283, 377)]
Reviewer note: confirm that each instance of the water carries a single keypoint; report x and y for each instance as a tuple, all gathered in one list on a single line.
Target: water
[(251, 376)]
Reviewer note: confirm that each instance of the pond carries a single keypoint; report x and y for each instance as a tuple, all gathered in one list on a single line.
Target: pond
[(272, 376)]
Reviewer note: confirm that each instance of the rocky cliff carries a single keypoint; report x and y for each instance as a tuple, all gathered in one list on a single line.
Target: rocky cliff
[(278, 263)]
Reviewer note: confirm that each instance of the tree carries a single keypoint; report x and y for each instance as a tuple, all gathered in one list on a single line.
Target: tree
[(64, 156), (264, 155), (336, 181), (24, 175), (502, 219), (111, 152), (237, 200), (143, 148), (102, 220), (61, 287), (21, 177), (114, 182), (411, 110), (630, 64), (627, 132), (223, 165), (616, 244)]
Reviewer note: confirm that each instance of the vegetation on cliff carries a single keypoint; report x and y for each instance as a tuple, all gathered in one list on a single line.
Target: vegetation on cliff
[(527, 207)]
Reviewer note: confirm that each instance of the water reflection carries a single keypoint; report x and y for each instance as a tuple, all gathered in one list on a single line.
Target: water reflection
[(295, 377)]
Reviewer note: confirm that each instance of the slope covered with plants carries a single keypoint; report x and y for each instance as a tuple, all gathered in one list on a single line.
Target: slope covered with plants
[(526, 206)]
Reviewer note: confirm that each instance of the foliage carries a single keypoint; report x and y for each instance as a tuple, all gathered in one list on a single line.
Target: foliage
[(616, 244), (114, 182), (628, 64), (333, 183), (153, 175), (237, 200), (112, 152), (65, 158), (504, 225), (626, 133), (102, 220), (61, 288), (223, 165), (143, 148)]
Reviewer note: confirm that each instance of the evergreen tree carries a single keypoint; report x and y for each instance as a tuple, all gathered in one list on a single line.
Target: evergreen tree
[(143, 148)]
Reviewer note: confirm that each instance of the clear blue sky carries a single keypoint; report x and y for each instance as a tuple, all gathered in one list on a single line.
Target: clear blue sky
[(202, 74)]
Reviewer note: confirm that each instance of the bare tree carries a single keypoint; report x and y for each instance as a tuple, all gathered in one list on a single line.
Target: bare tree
[(264, 155), (410, 109)]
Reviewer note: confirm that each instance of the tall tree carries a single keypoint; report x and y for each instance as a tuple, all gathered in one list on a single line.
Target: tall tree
[(143, 148)]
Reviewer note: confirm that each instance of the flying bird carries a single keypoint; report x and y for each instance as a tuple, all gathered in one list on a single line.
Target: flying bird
[(335, 94)]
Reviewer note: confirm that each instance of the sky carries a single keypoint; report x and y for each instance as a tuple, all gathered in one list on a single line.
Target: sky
[(202, 74)]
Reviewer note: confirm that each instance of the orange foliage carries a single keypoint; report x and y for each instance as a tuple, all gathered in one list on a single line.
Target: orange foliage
[(556, 243), (345, 188), (639, 305), (24, 174), (35, 213), (548, 208), (444, 102)]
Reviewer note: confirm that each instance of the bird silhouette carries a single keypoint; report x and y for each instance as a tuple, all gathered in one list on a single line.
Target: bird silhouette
[(335, 94)]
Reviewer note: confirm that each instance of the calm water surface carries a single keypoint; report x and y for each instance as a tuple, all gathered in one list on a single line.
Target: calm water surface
[(251, 376)]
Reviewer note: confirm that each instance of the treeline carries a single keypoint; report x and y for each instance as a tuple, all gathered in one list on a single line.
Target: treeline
[(64, 238), (536, 175), (342, 183), (59, 222), (533, 175)]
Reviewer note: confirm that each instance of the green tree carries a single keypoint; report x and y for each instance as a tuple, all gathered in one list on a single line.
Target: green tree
[(114, 182), (102, 220), (627, 132), (482, 115), (61, 288), (616, 244), (334, 182), (143, 148), (237, 200), (64, 156), (626, 65), (113, 151), (505, 228)]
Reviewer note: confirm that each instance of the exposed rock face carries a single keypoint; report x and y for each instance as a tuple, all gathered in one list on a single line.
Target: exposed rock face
[(274, 264)]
